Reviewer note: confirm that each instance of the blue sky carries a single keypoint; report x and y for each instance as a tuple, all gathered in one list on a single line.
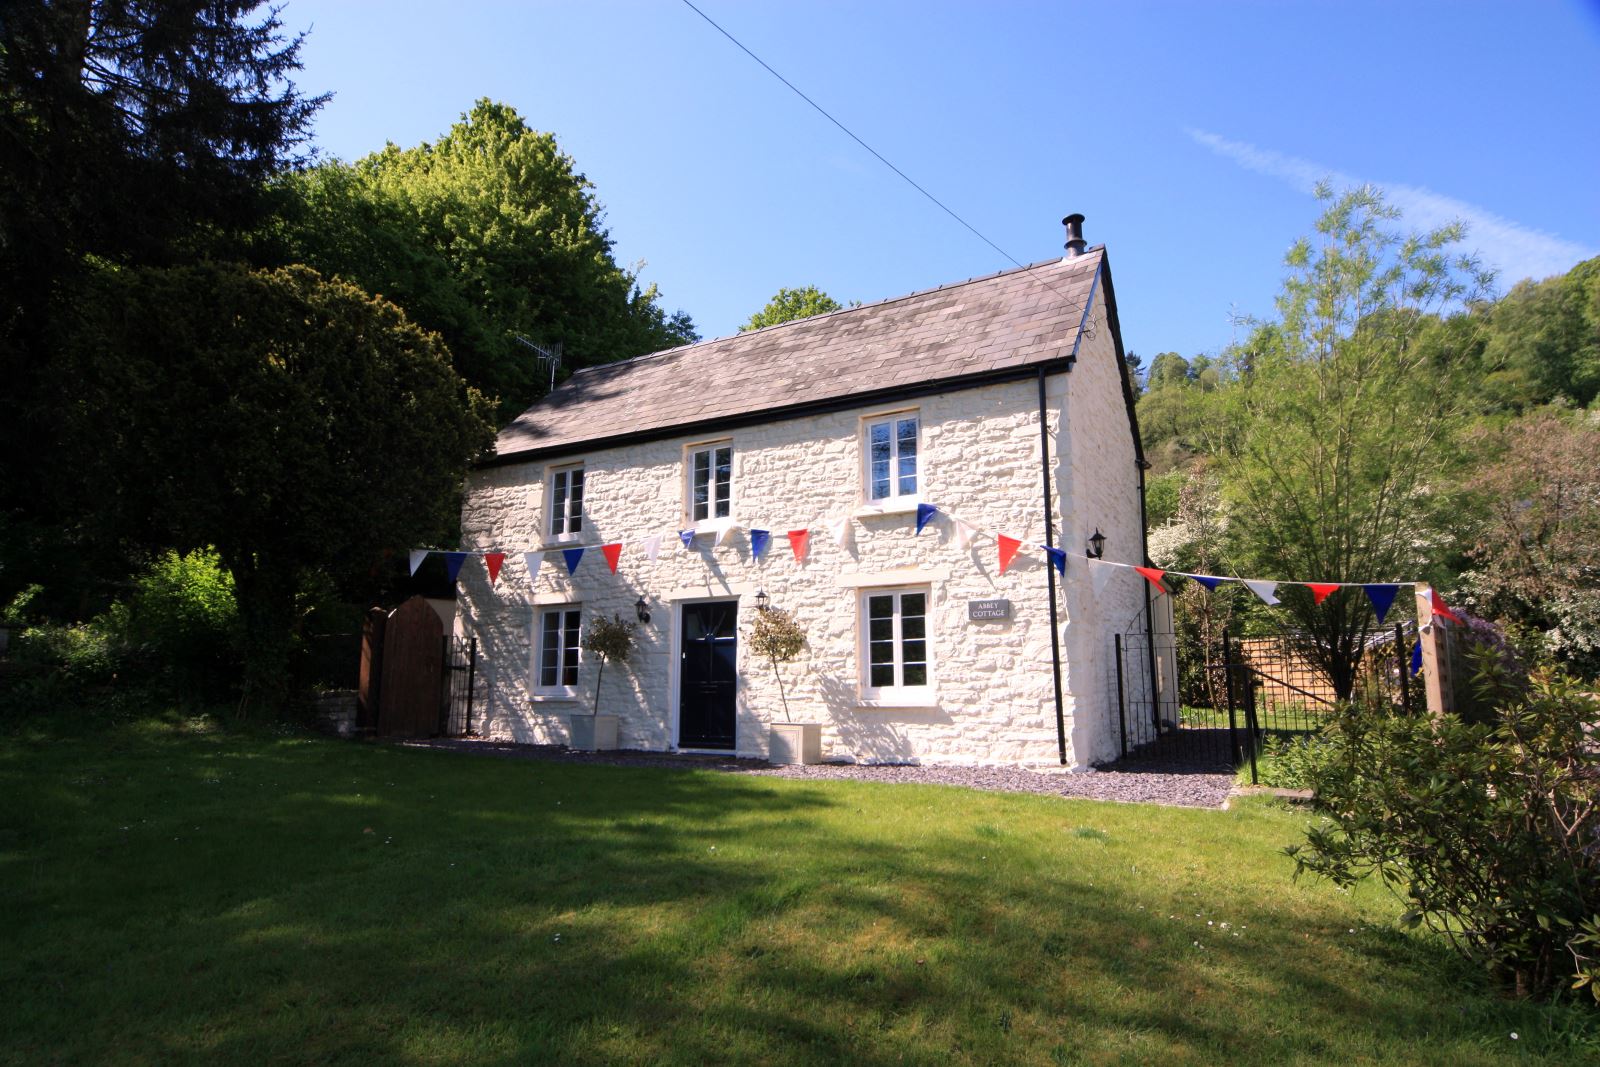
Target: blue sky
[(1187, 133)]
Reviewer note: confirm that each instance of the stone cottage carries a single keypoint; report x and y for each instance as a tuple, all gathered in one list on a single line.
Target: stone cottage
[(793, 465)]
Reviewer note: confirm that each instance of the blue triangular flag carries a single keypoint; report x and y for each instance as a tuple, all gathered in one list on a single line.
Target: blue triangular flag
[(572, 556), (1416, 659), (687, 537), (1210, 581), (759, 539), (1382, 597), (453, 562), (1058, 558), (925, 514)]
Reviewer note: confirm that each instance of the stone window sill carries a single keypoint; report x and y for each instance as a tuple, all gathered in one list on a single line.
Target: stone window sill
[(900, 505), (921, 703)]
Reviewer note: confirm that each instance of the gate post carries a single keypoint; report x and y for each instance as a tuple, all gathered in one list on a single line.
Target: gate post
[(1438, 683), (370, 680), (472, 677), (1404, 663), (1122, 700), (1227, 675)]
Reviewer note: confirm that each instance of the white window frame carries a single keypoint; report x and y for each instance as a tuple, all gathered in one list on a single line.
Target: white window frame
[(565, 515), (561, 690), (897, 694), (711, 520), (892, 419)]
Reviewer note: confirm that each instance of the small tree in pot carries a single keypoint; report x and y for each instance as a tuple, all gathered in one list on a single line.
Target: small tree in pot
[(610, 639), (778, 638)]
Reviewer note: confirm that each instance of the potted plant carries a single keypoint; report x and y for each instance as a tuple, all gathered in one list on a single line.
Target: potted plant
[(610, 639), (778, 638)]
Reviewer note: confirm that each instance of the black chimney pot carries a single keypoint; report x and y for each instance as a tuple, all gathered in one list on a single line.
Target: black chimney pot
[(1075, 242)]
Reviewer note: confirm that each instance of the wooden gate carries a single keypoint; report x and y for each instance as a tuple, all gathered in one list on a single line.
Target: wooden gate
[(410, 696)]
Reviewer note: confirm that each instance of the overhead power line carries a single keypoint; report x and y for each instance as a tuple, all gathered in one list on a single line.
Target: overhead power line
[(875, 153)]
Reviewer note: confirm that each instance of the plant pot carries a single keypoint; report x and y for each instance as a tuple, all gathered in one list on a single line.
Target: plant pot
[(593, 733), (795, 742)]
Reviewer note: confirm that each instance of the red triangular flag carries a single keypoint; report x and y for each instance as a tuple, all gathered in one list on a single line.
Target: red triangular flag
[(1321, 591), (1008, 551), (798, 541), (1154, 576), (494, 560), (1437, 603), (612, 553)]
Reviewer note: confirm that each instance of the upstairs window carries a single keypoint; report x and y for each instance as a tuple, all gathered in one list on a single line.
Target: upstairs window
[(895, 630), (893, 457), (711, 482), (556, 654), (566, 501)]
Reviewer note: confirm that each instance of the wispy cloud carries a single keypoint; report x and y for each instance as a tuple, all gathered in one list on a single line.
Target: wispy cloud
[(1514, 250)]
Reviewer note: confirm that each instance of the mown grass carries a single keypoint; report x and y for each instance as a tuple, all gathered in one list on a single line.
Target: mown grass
[(184, 894)]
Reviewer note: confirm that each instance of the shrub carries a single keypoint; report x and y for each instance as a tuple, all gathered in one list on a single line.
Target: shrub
[(180, 626), (1293, 763), (1489, 830)]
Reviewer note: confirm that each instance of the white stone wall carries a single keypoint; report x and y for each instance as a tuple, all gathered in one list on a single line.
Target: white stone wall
[(980, 460), (1097, 474)]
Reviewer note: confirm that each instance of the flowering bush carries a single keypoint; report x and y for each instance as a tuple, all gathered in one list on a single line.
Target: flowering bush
[(1489, 830)]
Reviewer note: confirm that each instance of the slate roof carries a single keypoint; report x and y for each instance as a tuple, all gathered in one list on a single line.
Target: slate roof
[(981, 328)]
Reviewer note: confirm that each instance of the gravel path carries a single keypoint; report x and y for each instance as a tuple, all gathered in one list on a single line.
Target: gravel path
[(1196, 787)]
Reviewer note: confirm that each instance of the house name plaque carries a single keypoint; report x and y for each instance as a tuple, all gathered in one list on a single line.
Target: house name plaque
[(988, 610)]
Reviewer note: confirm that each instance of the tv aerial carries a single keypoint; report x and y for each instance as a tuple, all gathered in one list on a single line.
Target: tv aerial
[(549, 356)]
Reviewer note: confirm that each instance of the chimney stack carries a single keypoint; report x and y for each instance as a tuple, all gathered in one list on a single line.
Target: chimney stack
[(1075, 242)]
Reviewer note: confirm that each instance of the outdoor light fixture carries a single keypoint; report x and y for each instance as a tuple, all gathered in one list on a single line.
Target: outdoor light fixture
[(642, 609), (1097, 544), (762, 600)]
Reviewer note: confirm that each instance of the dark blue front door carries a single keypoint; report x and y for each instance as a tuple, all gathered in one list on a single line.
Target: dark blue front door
[(707, 675)]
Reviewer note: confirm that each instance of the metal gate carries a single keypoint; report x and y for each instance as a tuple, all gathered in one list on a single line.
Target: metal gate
[(460, 677), (1270, 690)]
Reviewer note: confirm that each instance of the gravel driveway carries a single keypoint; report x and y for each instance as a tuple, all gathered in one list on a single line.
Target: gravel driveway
[(1198, 787)]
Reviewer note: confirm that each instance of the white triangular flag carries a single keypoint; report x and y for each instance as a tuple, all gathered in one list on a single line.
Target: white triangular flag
[(651, 546), (964, 532), (1266, 591), (725, 533), (1101, 572), (417, 556), (841, 531), (533, 559)]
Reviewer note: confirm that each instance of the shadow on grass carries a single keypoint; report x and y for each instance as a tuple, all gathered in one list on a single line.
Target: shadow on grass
[(290, 900)]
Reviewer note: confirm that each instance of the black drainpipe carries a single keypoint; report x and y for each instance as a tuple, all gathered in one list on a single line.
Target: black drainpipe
[(1149, 611), (1050, 572)]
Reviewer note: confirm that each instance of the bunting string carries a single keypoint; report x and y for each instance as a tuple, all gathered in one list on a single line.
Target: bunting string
[(1380, 595)]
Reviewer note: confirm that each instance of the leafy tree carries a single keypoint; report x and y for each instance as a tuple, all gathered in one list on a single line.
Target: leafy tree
[(1542, 340), (297, 424), (1537, 548), (487, 233), (135, 132), (1335, 440), (1135, 364), (789, 304), (1168, 369)]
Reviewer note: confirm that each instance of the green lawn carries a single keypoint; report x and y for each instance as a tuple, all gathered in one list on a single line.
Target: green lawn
[(192, 895)]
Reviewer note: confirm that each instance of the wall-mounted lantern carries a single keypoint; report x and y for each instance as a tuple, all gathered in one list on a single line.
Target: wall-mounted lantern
[(763, 601), (642, 609), (1097, 544)]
